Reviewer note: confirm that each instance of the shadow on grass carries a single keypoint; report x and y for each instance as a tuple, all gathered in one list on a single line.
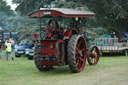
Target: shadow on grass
[(63, 70), (113, 55)]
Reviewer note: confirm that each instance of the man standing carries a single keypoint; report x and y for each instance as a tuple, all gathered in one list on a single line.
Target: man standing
[(9, 50)]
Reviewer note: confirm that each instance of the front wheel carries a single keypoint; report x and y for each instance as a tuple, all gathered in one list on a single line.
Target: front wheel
[(93, 55), (76, 53), (40, 66)]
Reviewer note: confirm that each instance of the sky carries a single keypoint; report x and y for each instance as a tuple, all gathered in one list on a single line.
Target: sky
[(13, 6)]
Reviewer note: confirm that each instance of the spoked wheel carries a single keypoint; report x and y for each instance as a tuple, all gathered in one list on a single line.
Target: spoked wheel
[(77, 53), (93, 55), (38, 62)]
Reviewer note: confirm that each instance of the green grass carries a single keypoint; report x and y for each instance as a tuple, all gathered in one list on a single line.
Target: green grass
[(23, 72)]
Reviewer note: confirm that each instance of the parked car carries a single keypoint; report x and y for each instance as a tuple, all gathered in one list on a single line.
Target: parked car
[(20, 49), (29, 52)]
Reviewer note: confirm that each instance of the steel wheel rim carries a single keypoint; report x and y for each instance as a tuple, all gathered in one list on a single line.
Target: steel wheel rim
[(94, 55), (80, 54)]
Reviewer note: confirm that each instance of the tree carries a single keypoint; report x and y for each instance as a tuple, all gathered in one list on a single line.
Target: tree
[(5, 12), (112, 14), (24, 26), (5, 8), (27, 6)]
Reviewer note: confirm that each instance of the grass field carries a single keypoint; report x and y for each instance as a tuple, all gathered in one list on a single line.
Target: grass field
[(112, 70)]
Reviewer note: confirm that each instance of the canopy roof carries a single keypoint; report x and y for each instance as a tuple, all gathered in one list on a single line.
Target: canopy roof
[(56, 12)]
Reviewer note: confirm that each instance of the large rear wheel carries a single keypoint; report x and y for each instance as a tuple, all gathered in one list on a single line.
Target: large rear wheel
[(93, 55), (76, 53)]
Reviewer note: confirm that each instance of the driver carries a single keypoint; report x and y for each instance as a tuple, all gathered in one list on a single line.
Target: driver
[(52, 26)]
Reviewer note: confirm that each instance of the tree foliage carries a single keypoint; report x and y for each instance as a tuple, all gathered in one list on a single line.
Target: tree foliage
[(28, 6), (110, 14), (5, 13), (4, 8)]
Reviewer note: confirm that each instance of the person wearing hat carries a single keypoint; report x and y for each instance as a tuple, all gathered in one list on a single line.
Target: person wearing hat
[(9, 50)]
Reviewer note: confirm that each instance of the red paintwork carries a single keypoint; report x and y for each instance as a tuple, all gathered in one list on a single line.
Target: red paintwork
[(115, 51), (51, 47), (35, 36), (48, 50), (61, 41), (67, 34), (80, 30), (40, 14), (81, 47), (61, 12)]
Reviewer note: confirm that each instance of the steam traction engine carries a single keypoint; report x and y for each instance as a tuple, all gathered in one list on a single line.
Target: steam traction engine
[(63, 44)]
